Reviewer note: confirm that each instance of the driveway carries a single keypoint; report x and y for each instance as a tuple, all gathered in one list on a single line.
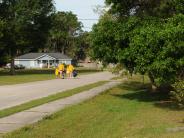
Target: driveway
[(12, 95)]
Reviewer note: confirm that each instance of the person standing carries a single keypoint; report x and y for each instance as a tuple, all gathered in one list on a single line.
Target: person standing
[(71, 69), (67, 71), (57, 72), (61, 70)]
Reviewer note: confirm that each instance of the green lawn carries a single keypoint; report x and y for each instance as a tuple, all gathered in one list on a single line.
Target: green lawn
[(50, 98), (24, 76), (125, 111)]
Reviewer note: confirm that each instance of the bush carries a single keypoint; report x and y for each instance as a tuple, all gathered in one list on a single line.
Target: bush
[(178, 93), (117, 69)]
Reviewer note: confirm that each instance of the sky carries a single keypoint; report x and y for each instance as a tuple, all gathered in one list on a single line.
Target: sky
[(82, 8)]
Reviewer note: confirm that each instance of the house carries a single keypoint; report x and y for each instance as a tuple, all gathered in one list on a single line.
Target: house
[(42, 60)]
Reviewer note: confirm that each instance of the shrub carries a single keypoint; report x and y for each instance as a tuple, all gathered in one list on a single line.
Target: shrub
[(117, 69), (178, 92)]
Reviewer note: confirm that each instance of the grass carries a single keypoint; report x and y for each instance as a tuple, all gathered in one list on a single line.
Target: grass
[(117, 78), (32, 75), (37, 102), (125, 111)]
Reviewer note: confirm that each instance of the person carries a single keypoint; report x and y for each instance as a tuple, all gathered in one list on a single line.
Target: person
[(75, 73), (71, 69), (57, 72), (61, 70), (67, 71)]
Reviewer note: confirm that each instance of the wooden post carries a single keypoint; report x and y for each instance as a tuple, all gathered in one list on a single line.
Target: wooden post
[(48, 64)]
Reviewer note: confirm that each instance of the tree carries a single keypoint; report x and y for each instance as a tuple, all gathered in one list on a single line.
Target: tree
[(157, 50), (81, 46), (142, 41), (103, 43), (65, 27), (2, 51), (27, 25), (141, 8)]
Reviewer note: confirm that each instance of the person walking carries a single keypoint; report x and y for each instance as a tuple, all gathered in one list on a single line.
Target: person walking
[(57, 72), (71, 69), (67, 71), (61, 70)]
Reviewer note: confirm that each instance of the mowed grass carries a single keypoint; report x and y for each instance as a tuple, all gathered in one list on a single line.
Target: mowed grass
[(32, 75), (50, 98), (125, 111)]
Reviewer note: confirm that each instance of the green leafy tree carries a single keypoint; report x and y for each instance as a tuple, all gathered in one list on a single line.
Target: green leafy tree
[(178, 93), (141, 8), (143, 41), (81, 46), (65, 27), (27, 25), (157, 50), (2, 52), (103, 43)]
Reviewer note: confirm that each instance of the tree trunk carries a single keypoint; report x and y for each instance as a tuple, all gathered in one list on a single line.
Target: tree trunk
[(143, 79), (63, 50), (12, 69), (153, 87)]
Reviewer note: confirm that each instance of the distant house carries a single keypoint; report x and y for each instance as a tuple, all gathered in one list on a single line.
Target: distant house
[(42, 60)]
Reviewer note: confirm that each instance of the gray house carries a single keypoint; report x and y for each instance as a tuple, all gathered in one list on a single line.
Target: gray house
[(42, 60)]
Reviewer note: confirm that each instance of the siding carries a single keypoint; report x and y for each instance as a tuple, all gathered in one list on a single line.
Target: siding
[(26, 63), (34, 63), (67, 62)]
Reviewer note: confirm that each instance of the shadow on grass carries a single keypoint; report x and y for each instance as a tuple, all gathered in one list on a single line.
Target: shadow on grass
[(138, 92)]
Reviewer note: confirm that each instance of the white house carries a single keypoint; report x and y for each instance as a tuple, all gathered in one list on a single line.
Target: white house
[(42, 60)]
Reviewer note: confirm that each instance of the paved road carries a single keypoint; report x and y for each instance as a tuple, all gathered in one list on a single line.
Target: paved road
[(18, 120), (11, 95)]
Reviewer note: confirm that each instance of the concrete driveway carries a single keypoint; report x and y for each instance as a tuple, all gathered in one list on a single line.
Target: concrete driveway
[(12, 95)]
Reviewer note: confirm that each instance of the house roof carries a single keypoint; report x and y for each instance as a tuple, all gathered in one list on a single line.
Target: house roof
[(37, 55)]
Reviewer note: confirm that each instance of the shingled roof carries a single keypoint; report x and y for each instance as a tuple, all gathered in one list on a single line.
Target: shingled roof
[(37, 55)]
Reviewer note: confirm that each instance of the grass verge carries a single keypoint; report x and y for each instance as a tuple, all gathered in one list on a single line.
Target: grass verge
[(124, 111), (37, 102), (32, 75)]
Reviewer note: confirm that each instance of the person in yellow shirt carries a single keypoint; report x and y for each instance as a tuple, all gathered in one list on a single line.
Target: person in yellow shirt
[(71, 69), (57, 72), (61, 70), (68, 72)]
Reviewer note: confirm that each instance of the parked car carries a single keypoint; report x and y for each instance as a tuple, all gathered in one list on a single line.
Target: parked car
[(8, 66), (19, 66)]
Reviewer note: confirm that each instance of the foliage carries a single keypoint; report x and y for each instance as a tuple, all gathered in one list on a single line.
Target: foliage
[(158, 49), (117, 68), (26, 25), (1, 28), (142, 41), (103, 42), (80, 50), (34, 26), (66, 36), (178, 92), (141, 8), (65, 27)]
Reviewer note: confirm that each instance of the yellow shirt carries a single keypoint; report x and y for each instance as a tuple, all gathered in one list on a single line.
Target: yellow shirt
[(61, 67), (67, 70), (71, 68), (56, 71)]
